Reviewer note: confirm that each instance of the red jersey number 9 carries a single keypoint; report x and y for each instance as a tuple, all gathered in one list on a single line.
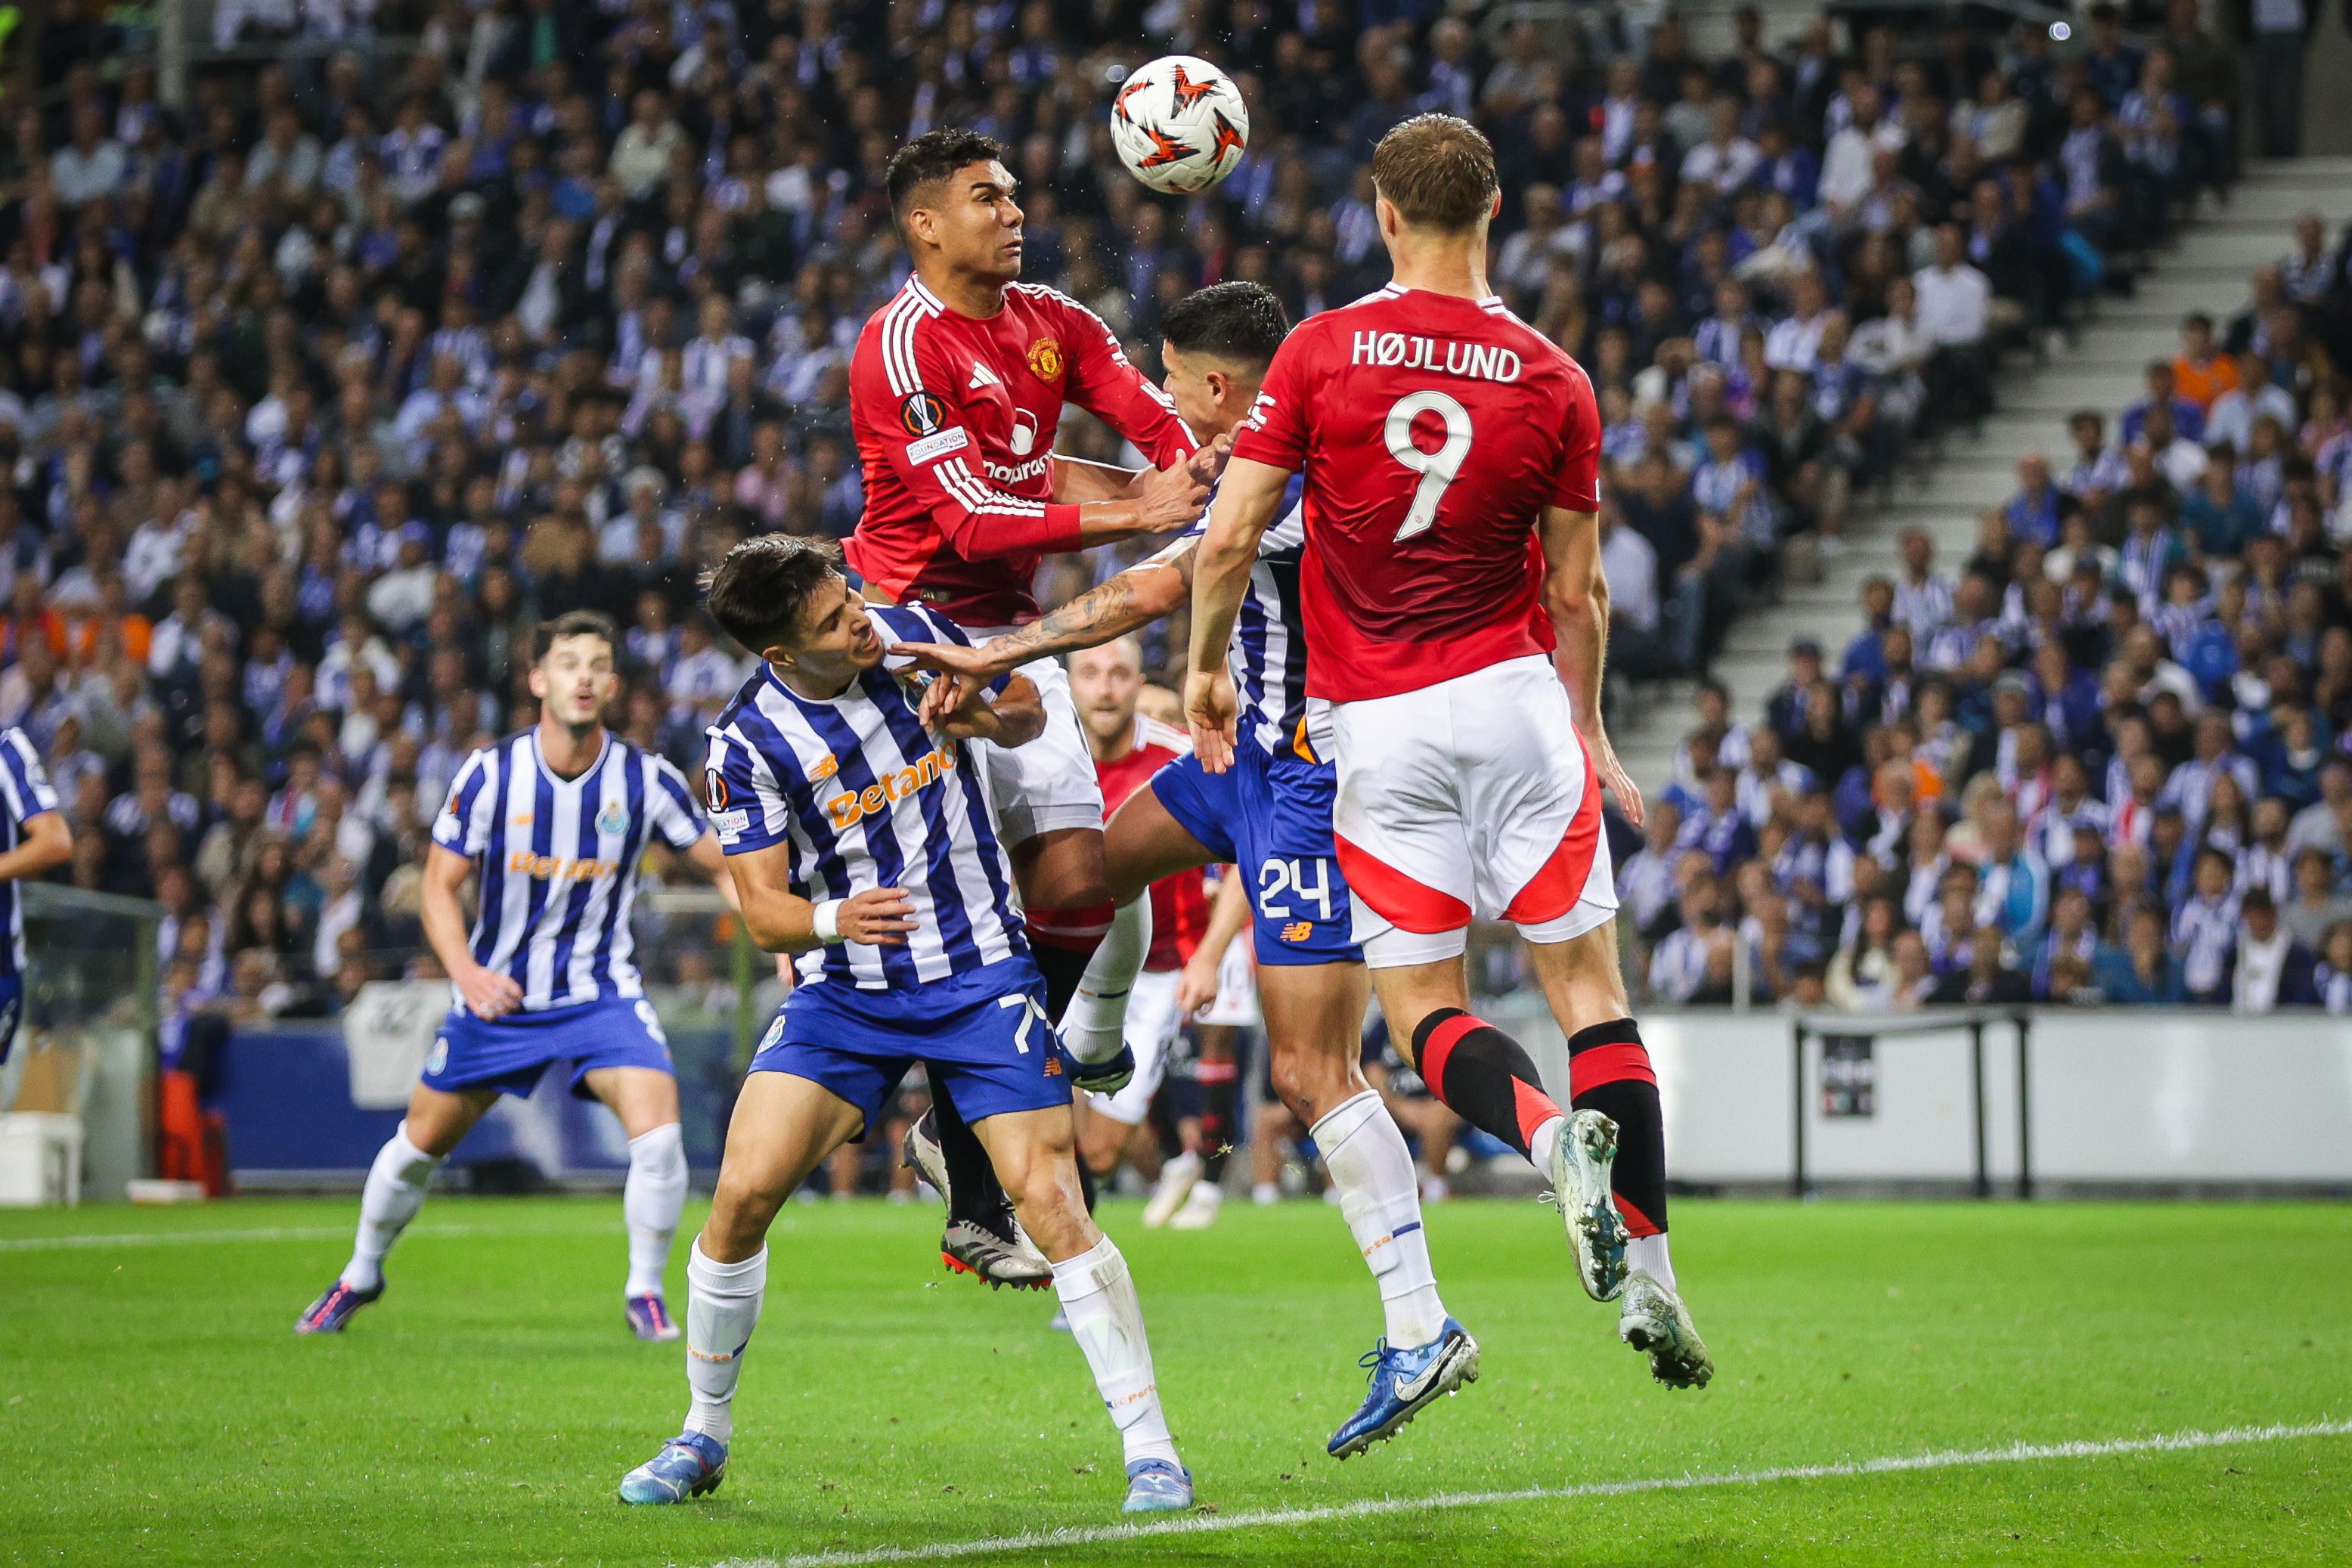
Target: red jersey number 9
[(1437, 469)]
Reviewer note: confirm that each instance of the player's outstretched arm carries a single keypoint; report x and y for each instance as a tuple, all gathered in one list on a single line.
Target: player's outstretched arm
[(1134, 598), (1577, 595), (781, 920), (1084, 480), (488, 993), (1246, 503)]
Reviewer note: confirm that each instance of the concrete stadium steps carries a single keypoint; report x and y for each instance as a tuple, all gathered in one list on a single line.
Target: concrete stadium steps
[(2206, 268)]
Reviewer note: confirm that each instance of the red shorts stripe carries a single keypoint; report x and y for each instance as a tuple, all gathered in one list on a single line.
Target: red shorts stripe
[(1440, 1044), (1589, 1070), (1399, 899), (1559, 883)]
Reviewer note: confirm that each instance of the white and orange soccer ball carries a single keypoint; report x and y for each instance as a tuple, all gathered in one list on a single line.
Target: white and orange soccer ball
[(1180, 124)]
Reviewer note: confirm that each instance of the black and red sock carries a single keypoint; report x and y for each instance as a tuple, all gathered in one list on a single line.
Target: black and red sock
[(1609, 1071), (1062, 941), (1482, 1076)]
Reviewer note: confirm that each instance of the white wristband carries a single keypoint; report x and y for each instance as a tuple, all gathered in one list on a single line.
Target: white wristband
[(828, 921)]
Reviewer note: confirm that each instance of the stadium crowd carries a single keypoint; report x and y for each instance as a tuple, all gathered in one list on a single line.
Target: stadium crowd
[(317, 393), (2109, 760)]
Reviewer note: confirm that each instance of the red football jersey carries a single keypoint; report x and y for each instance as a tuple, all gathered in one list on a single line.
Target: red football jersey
[(955, 419), (1179, 904), (1432, 431)]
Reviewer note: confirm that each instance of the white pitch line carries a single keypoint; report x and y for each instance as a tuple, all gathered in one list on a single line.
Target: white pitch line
[(271, 1233), (1197, 1524)]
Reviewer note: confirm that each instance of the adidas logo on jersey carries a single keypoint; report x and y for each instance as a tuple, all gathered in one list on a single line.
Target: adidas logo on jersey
[(982, 376)]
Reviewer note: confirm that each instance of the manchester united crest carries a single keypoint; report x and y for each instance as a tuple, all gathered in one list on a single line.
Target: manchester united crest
[(1045, 361)]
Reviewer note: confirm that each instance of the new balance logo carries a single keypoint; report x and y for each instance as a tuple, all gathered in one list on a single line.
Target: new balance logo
[(982, 376), (1297, 931)]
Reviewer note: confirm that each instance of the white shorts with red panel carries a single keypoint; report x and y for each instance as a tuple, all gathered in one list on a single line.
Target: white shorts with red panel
[(1050, 784), (1469, 799)]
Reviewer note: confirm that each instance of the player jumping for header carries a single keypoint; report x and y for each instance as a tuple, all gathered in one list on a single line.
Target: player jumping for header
[(955, 397), (1270, 815), (861, 838), (556, 821), (1450, 455)]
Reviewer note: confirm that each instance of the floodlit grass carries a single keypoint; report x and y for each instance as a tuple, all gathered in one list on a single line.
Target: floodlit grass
[(160, 1409)]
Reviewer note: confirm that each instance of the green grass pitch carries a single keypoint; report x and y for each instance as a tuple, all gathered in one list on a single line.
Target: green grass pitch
[(160, 1410)]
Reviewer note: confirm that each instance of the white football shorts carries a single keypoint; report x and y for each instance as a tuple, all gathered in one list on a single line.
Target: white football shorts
[(1469, 799), (1049, 784)]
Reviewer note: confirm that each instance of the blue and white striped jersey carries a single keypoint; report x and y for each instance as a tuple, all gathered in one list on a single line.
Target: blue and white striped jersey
[(25, 794), (1268, 658), (557, 860), (867, 798)]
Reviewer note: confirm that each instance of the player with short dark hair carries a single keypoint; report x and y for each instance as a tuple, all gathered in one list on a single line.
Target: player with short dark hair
[(861, 838), (554, 821), (1270, 815), (956, 391), (1450, 455)]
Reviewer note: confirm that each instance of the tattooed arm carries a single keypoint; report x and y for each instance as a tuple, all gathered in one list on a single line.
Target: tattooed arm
[(1135, 598)]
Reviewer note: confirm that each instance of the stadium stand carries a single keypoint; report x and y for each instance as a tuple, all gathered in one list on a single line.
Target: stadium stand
[(319, 389)]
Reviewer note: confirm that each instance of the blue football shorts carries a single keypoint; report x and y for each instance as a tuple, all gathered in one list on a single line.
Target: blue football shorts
[(983, 1034), (508, 1053), (1270, 815)]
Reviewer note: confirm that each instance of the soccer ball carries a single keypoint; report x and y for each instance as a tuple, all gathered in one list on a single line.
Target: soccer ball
[(1180, 124)]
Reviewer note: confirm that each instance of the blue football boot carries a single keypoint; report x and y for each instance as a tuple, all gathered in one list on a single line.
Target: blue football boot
[(689, 1465), (1155, 1486), (1404, 1382), (330, 1312)]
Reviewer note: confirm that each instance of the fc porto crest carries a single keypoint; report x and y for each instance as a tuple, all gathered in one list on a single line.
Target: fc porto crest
[(614, 820), (1045, 361)]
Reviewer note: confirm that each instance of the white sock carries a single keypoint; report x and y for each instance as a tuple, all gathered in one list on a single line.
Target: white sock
[(1648, 1254), (394, 1192), (1266, 1193), (1094, 1023), (722, 1307), (651, 1202), (1106, 1319), (1544, 1140), (1380, 1194)]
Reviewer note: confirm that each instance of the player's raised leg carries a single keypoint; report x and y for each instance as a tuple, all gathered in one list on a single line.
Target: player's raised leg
[(437, 1123), (1034, 1156), (784, 1125), (653, 1197)]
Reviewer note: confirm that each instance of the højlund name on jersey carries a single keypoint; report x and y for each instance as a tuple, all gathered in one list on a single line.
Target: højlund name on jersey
[(1478, 361), (849, 805)]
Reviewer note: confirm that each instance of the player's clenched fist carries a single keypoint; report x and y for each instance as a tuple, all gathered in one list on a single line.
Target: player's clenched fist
[(878, 916)]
